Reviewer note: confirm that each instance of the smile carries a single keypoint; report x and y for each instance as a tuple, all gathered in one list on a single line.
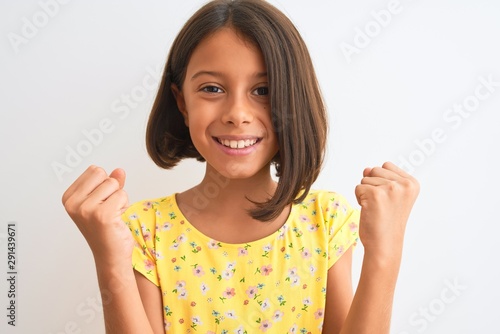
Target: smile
[(242, 143)]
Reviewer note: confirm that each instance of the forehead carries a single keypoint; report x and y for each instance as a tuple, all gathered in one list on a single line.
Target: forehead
[(226, 51)]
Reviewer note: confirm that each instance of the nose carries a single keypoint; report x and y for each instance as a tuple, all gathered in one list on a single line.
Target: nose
[(238, 110)]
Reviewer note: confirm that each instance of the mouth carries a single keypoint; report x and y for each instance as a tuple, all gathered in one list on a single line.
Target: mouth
[(238, 144)]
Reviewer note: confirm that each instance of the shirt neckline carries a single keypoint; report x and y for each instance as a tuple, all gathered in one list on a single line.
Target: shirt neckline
[(266, 239)]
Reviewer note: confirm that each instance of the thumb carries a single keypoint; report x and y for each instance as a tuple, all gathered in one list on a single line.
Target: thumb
[(119, 175)]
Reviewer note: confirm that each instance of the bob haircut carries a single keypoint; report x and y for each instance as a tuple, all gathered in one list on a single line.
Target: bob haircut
[(297, 108)]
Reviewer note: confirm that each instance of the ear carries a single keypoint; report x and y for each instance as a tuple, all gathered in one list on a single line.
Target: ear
[(181, 103)]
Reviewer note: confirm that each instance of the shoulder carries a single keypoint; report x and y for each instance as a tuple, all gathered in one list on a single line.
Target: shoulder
[(146, 211), (327, 207), (325, 199)]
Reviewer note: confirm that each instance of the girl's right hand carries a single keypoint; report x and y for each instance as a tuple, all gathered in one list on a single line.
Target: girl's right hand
[(95, 202)]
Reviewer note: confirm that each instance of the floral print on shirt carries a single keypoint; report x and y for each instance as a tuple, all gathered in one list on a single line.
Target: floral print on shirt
[(276, 284)]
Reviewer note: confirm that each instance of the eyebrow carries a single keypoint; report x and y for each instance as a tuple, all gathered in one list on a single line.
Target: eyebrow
[(220, 74)]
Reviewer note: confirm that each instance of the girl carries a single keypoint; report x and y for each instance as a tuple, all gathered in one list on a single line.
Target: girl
[(239, 252)]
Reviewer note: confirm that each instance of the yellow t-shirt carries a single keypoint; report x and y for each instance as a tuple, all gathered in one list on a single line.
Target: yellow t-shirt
[(276, 284)]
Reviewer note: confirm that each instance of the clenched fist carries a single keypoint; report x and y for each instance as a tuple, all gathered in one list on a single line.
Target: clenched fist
[(95, 202), (386, 195)]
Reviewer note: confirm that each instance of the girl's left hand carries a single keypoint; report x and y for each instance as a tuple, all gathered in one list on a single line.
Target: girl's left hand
[(386, 195)]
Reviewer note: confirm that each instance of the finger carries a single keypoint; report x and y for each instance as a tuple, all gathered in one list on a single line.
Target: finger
[(119, 175), (101, 193), (118, 202), (384, 173), (367, 171), (362, 191), (85, 183), (395, 169), (375, 181)]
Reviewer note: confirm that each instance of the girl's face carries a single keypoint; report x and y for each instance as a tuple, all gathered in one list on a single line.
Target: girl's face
[(225, 103)]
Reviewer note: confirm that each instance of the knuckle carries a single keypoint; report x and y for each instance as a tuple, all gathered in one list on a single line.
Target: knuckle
[(70, 205), (98, 172), (113, 182)]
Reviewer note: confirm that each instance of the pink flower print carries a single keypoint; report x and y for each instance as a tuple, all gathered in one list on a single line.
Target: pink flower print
[(166, 226), (265, 325), (312, 228), (204, 288), (196, 320), (293, 330), (306, 254), (231, 265), (267, 248), (266, 270), (181, 238), (251, 291), (149, 264), (242, 251), (340, 251), (295, 281), (227, 274), (229, 293), (307, 301), (156, 254), (265, 304), (180, 285), (198, 271), (312, 269), (278, 315), (319, 313), (182, 294), (240, 330), (231, 315), (212, 244), (147, 205), (304, 219), (353, 226), (146, 235), (292, 272)]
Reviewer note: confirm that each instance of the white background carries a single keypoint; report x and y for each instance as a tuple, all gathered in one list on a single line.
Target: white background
[(74, 70)]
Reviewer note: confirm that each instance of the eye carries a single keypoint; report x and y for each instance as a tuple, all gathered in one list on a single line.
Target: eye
[(262, 91), (211, 89)]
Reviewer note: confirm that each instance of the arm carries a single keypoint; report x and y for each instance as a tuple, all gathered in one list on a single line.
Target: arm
[(371, 308), (338, 294), (95, 202), (152, 301), (386, 196), (123, 308)]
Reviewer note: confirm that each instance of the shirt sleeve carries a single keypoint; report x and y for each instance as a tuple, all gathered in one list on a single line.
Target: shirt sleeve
[(343, 227), (141, 220)]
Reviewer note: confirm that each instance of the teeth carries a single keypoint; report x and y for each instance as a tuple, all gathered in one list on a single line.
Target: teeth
[(237, 143)]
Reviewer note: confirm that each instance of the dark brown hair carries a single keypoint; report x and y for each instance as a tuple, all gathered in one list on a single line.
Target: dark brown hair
[(297, 107)]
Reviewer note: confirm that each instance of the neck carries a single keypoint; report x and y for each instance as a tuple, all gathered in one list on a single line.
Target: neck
[(216, 190), (218, 206)]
